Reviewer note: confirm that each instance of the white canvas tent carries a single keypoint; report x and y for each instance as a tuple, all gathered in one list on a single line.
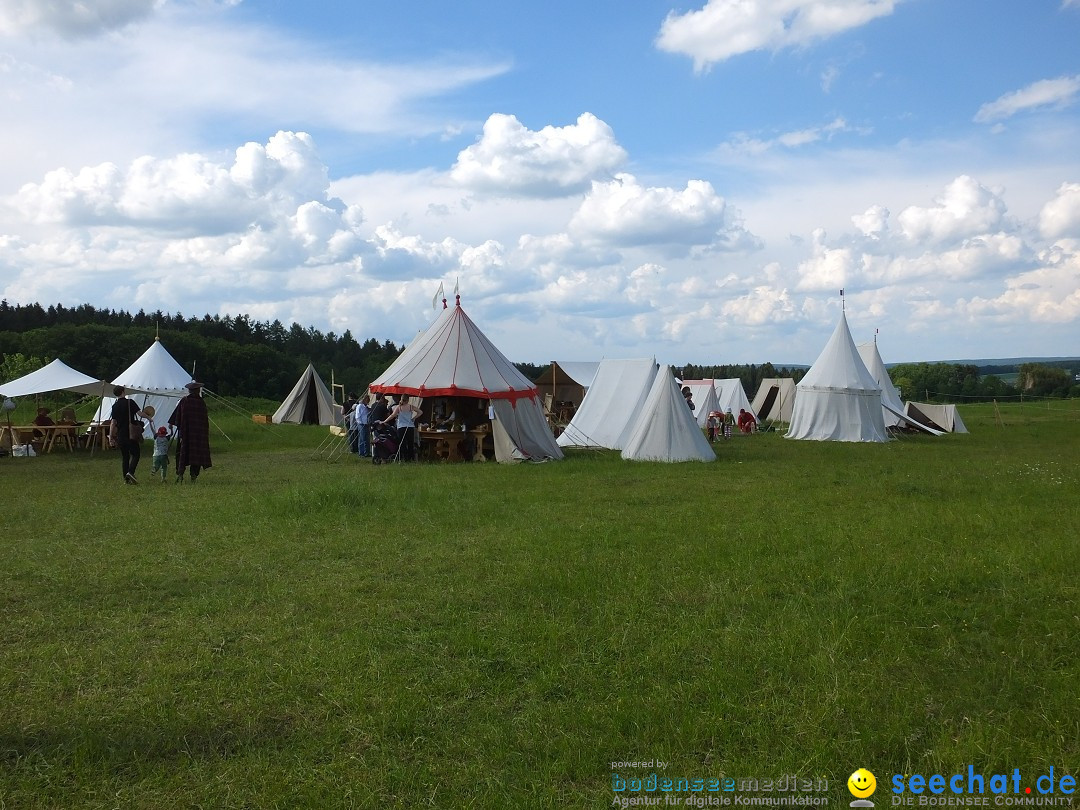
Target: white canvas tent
[(453, 358), (567, 380), (838, 399), (890, 399), (155, 379), (665, 429), (308, 403), (943, 417), (56, 376), (615, 398), (730, 396), (775, 399), (703, 395)]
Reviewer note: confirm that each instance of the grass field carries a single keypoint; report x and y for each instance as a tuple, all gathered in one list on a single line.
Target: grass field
[(293, 632)]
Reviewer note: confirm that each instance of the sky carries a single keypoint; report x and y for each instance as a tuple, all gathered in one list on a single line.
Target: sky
[(601, 179)]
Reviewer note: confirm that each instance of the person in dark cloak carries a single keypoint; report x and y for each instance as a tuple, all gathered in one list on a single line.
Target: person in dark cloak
[(193, 426)]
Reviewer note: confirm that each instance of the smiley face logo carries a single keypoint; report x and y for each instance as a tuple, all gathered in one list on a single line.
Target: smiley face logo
[(862, 783)]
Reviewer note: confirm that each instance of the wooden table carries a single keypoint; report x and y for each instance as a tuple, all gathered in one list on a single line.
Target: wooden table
[(453, 445), (50, 435)]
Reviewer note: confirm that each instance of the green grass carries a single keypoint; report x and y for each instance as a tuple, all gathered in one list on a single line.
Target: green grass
[(293, 632)]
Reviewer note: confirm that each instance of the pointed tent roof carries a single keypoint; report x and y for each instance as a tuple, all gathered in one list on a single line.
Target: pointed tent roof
[(309, 402), (453, 358), (838, 399), (889, 395), (665, 429), (56, 376), (155, 372), (731, 396)]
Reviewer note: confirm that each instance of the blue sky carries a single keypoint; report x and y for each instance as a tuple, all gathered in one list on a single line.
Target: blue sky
[(691, 182)]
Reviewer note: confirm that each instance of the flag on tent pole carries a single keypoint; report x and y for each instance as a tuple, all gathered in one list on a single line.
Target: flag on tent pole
[(456, 284), (438, 295)]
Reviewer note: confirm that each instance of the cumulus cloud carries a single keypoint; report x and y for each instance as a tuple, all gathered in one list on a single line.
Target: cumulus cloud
[(965, 208), (762, 305), (623, 212), (726, 28), (71, 18), (186, 193), (510, 159), (1061, 215), (1054, 93)]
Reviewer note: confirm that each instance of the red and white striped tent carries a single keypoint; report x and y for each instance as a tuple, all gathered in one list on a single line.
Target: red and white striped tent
[(453, 358)]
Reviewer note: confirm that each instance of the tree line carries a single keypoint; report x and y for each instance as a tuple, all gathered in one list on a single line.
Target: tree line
[(238, 356), (231, 355)]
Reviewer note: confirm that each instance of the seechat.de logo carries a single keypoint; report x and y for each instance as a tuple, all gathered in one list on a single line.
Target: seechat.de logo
[(862, 785)]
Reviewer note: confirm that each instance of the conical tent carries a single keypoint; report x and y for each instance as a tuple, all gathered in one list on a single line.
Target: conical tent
[(156, 380), (614, 399), (453, 358), (731, 396), (308, 403), (703, 395), (665, 429), (838, 399), (889, 395)]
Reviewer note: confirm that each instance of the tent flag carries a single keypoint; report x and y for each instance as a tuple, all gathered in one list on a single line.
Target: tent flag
[(438, 295)]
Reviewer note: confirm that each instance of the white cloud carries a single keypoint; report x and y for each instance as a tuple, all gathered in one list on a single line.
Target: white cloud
[(624, 213), (510, 159), (873, 222), (965, 208), (1056, 93), (71, 18), (726, 28), (760, 306), (187, 193), (745, 144), (1061, 215)]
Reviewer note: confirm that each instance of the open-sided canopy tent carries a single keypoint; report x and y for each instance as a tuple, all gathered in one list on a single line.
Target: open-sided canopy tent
[(942, 417), (614, 399), (838, 399), (308, 403), (703, 395), (890, 399), (156, 379), (453, 358), (730, 396), (665, 429), (56, 376), (567, 380), (774, 399)]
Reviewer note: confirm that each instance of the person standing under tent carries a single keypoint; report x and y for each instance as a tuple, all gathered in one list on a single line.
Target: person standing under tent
[(361, 416), (192, 423), (124, 414), (405, 414), (350, 426)]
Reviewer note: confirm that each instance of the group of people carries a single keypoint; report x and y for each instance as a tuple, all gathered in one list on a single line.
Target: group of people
[(189, 425), (722, 424), (365, 414)]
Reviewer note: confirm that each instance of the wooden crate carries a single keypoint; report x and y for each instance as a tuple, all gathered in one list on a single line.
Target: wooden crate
[(261, 418)]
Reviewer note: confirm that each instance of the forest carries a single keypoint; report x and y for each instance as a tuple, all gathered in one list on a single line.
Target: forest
[(238, 356)]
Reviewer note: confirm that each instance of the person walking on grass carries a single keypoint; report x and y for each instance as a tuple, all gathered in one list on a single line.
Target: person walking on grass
[(161, 453), (192, 423), (124, 415)]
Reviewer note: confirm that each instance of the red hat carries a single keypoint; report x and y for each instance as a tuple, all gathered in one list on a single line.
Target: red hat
[(162, 432)]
